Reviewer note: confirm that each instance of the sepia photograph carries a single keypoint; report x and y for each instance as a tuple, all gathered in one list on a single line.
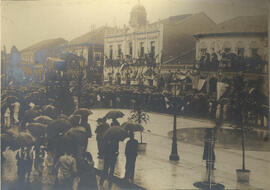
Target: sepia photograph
[(135, 95)]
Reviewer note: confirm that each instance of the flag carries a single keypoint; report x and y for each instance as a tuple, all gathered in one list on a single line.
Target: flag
[(221, 88), (201, 83)]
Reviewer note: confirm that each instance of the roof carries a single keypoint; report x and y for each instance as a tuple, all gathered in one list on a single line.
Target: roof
[(242, 24), (46, 44), (93, 37), (173, 19), (186, 58)]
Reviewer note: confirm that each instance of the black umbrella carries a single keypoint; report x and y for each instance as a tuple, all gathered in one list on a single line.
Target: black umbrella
[(74, 119), (114, 115), (43, 119), (30, 115), (115, 133), (131, 126), (8, 140), (25, 139), (50, 111), (84, 112), (37, 129), (58, 127), (79, 135)]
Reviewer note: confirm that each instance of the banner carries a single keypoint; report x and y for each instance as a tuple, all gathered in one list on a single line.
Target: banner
[(221, 89)]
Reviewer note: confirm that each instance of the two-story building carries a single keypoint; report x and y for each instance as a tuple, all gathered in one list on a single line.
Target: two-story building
[(139, 50), (35, 56)]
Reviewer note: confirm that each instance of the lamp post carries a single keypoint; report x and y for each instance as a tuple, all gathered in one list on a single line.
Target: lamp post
[(174, 153)]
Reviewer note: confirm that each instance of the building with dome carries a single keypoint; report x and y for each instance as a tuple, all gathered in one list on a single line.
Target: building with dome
[(136, 53)]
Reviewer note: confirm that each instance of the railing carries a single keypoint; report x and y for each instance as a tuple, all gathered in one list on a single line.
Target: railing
[(248, 65)]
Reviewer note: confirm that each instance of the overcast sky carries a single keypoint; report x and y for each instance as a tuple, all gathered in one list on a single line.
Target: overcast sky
[(24, 23)]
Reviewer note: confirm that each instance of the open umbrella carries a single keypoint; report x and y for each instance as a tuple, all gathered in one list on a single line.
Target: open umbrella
[(131, 126), (62, 116), (37, 129), (10, 99), (8, 140), (43, 119), (74, 120), (25, 139), (78, 134), (114, 114), (115, 133), (50, 111), (58, 126), (30, 115), (84, 112)]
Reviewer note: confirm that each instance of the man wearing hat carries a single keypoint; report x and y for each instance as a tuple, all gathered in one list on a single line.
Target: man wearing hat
[(101, 128)]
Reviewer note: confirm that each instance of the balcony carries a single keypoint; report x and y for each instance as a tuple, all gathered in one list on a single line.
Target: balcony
[(234, 64)]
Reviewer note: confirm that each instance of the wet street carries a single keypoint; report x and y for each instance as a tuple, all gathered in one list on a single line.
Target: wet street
[(155, 171)]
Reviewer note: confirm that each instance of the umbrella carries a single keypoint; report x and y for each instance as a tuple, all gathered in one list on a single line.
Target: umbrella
[(131, 126), (37, 129), (7, 140), (84, 112), (114, 114), (58, 126), (75, 119), (115, 133), (49, 110), (62, 116), (30, 114), (43, 119), (10, 99), (78, 134), (25, 139)]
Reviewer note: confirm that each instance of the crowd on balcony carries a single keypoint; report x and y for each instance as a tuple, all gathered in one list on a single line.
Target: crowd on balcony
[(143, 60), (230, 61)]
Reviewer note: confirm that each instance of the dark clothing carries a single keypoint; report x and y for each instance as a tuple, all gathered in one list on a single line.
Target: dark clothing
[(88, 129), (24, 164), (131, 154), (110, 157), (87, 173), (100, 131), (115, 123), (209, 155)]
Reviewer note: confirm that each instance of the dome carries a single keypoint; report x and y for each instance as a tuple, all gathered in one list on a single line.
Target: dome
[(137, 16)]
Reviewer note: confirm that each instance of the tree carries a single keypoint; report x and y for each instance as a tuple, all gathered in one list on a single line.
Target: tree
[(137, 114), (242, 103)]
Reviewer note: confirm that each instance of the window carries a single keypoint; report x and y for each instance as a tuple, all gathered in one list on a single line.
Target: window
[(240, 52), (130, 49), (119, 50), (111, 52), (141, 49), (152, 48)]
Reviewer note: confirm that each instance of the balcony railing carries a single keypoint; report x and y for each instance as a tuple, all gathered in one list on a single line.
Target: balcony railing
[(237, 64)]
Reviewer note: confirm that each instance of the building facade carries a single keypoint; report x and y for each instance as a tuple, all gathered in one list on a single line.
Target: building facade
[(138, 51)]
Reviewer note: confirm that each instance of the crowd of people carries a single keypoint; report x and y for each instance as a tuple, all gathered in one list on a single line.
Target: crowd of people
[(41, 145)]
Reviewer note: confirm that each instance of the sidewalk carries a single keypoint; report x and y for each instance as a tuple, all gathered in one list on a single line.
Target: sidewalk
[(154, 171)]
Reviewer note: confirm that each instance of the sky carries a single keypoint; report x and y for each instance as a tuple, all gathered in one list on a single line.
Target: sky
[(24, 23)]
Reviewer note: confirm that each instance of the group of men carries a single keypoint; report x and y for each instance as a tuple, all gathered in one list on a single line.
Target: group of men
[(109, 151)]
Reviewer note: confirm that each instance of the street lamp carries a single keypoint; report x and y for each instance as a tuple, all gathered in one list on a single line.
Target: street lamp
[(174, 154)]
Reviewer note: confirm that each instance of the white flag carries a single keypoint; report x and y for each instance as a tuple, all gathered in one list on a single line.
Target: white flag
[(221, 89), (201, 83)]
